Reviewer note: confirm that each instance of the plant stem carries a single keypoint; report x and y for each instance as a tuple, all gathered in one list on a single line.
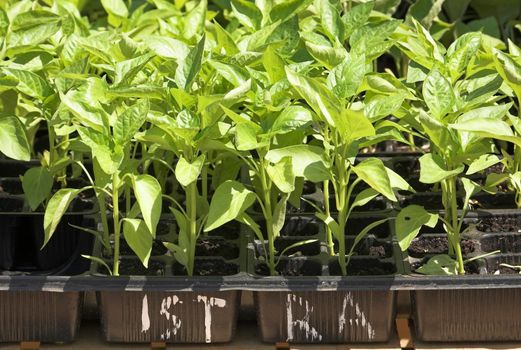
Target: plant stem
[(327, 210), (115, 218), (451, 216), (191, 207), (268, 214)]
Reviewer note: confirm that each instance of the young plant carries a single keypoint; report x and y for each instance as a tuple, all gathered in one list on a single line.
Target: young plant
[(457, 102), (347, 104)]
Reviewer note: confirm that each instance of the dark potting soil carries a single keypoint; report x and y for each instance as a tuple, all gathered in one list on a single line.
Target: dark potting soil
[(363, 267), (11, 204), (369, 247), (292, 267), (216, 247), (134, 267), (502, 223), (437, 245), (229, 231), (208, 267)]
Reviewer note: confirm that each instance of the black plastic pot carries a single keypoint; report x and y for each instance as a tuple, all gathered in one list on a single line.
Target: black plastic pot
[(39, 316), (312, 316), (488, 314), (22, 236), (187, 316)]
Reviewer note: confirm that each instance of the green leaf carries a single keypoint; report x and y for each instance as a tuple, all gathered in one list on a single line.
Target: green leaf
[(441, 264), (194, 20), (364, 197), (187, 173), (273, 64), (382, 106), (130, 121), (323, 102), (372, 171), (37, 185), (56, 207), (409, 221), (357, 17), (279, 215), (245, 137), (286, 9), (509, 69), (290, 119), (307, 161), (99, 261), (471, 188), (13, 139), (127, 70), (115, 7), (331, 21), (484, 161), (180, 254), (432, 169), (488, 127), (229, 201), (247, 13), (425, 11), (30, 83), (438, 94), (327, 55), (353, 125), (166, 47), (281, 173), (138, 238), (460, 53), (347, 77), (148, 195), (186, 72)]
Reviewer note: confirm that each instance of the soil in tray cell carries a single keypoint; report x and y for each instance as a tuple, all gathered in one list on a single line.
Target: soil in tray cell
[(507, 243), (216, 247), (369, 247), (292, 267), (208, 267), (301, 226), (134, 267), (422, 246), (363, 267), (496, 224), (230, 231), (355, 225)]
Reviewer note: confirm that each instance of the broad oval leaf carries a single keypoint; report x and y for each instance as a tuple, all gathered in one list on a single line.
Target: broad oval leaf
[(438, 94), (308, 161), (148, 195), (372, 171), (130, 121), (229, 201), (37, 185), (432, 169), (187, 173), (13, 140), (409, 222), (138, 238), (282, 174)]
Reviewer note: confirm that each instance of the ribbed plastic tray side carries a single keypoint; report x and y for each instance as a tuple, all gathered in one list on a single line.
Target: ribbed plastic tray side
[(39, 316), (325, 317), (468, 315), (179, 317)]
